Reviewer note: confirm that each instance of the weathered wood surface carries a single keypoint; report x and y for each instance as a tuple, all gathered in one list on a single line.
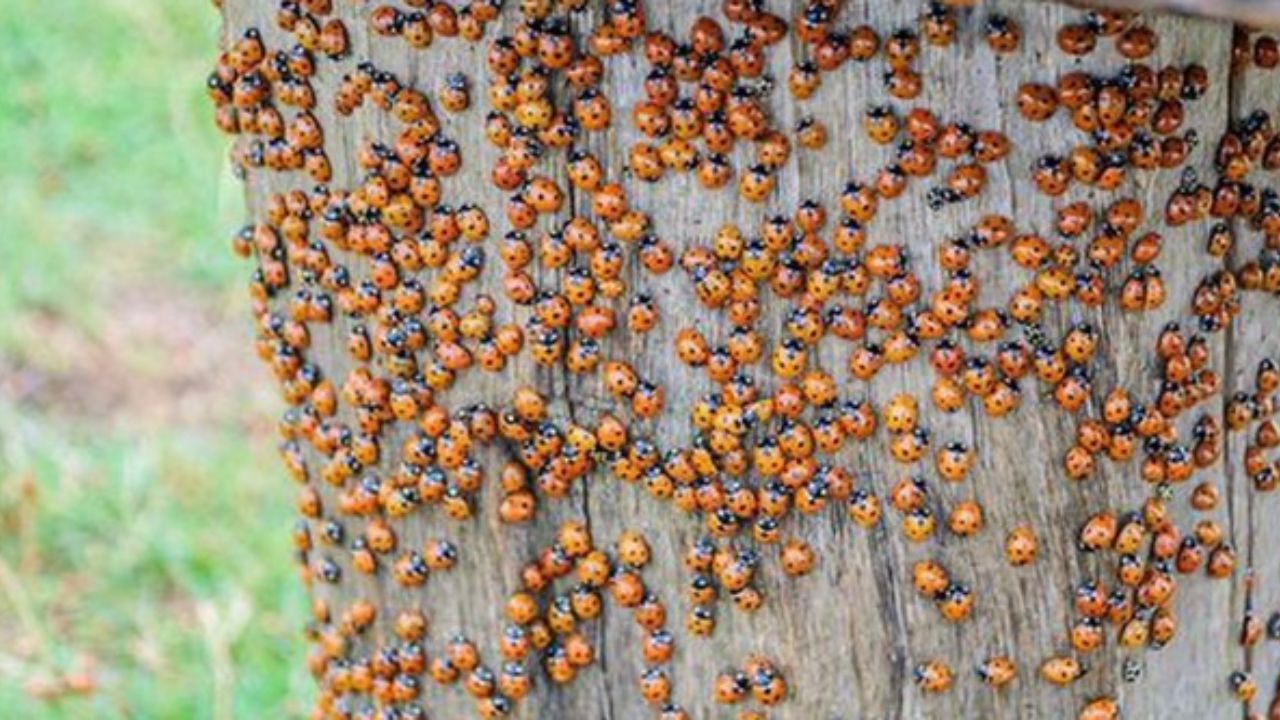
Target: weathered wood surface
[(849, 634), (1255, 335), (1256, 13)]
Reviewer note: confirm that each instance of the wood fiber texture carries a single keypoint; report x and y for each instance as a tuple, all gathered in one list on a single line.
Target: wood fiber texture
[(848, 635)]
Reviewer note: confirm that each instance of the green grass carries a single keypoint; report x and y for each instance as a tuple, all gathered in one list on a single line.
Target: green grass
[(142, 545), (110, 161), (164, 560)]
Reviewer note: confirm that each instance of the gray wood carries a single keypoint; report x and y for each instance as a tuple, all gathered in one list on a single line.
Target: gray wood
[(1252, 338), (1255, 13), (848, 635)]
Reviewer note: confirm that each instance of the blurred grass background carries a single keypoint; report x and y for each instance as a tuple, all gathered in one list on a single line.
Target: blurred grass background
[(145, 564)]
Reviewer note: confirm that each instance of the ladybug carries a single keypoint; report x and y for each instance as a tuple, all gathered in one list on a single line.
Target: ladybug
[(933, 676), (1242, 685), (658, 646), (798, 557), (1267, 376), (921, 125), (909, 447), (410, 626), (513, 681), (701, 621), (1037, 102), (1222, 561), (1086, 634), (881, 124), (461, 654), (748, 599), (909, 493), (1220, 240), (862, 42), (955, 139), (864, 508), (966, 180), (1103, 708), (1090, 600), (1137, 42), (811, 134), (997, 671), (1195, 82), (1129, 570), (990, 146), (803, 80), (1062, 670), (772, 148), (903, 83), (479, 683), (1021, 546), (455, 95), (947, 394), (902, 48), (1003, 34), (1077, 39), (930, 578), (891, 181), (1080, 343), (956, 603), (901, 413), (1051, 175), (756, 184), (918, 159), (1074, 218), (440, 554), (1266, 52), (768, 687), (954, 461), (655, 686), (592, 110), (731, 687), (1072, 391), (965, 518)]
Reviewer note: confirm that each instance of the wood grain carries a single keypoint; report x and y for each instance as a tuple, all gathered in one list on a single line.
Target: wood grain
[(1254, 13), (848, 635)]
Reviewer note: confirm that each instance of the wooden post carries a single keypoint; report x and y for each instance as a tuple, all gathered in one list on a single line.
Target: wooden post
[(848, 636)]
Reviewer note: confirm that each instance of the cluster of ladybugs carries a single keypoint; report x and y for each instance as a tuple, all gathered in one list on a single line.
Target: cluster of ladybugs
[(248, 82), (1256, 411), (697, 131), (927, 138), (1250, 143), (1132, 118), (403, 274)]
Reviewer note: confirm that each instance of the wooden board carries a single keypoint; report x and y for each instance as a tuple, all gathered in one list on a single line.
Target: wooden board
[(848, 635)]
